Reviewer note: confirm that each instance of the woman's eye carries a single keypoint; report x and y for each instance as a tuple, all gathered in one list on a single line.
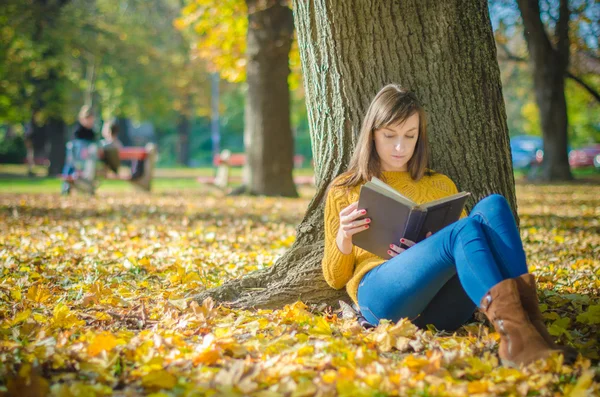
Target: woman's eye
[(410, 137), (388, 136)]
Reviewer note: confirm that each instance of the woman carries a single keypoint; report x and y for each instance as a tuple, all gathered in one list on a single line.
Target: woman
[(477, 261)]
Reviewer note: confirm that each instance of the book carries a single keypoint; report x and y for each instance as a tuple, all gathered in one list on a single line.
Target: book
[(394, 216)]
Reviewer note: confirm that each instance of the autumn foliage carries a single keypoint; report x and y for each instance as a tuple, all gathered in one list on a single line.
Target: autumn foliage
[(95, 299)]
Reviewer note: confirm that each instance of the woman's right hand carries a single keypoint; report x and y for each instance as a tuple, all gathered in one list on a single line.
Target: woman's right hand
[(349, 226)]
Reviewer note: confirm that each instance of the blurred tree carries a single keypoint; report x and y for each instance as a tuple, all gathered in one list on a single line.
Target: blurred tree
[(125, 58), (264, 55), (33, 72), (562, 41), (145, 69)]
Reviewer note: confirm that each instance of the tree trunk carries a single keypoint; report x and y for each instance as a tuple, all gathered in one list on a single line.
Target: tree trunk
[(48, 102), (183, 141), (56, 131), (268, 136), (38, 138), (445, 51), (549, 65)]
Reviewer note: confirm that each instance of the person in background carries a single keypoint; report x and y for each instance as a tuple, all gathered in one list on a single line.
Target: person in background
[(111, 145), (86, 120)]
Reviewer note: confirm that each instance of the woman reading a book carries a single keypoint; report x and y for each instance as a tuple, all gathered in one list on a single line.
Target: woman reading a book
[(477, 261)]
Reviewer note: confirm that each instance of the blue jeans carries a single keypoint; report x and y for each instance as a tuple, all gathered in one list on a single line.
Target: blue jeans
[(442, 279)]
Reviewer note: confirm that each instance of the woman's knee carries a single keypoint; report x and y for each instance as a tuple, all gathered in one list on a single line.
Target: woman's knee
[(467, 228), (468, 223), (492, 204)]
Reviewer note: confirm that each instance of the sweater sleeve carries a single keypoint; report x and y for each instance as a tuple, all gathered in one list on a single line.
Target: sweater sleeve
[(338, 268)]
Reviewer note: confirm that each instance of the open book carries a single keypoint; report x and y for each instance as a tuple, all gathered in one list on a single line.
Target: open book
[(394, 216)]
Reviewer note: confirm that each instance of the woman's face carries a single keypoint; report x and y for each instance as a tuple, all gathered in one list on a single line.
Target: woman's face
[(396, 144)]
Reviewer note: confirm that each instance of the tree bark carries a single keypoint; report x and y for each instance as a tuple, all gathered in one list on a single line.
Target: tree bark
[(183, 135), (48, 96), (268, 134), (56, 130), (443, 50), (549, 64)]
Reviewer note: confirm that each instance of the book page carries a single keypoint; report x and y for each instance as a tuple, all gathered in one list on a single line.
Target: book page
[(382, 187), (444, 200)]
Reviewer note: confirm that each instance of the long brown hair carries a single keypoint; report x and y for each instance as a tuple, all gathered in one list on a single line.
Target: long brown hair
[(392, 105)]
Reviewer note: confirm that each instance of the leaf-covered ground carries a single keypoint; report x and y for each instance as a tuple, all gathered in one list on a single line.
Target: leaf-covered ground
[(95, 299)]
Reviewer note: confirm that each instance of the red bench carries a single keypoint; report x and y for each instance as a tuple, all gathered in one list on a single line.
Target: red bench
[(146, 154), (226, 159), (125, 153), (87, 170), (239, 159), (133, 153)]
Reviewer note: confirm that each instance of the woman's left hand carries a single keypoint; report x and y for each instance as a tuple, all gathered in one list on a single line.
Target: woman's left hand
[(395, 250)]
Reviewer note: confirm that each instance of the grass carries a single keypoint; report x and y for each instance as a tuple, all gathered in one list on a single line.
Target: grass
[(13, 179)]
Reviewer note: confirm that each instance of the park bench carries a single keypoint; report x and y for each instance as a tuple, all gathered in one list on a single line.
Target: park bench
[(239, 159), (82, 160), (224, 160), (40, 160)]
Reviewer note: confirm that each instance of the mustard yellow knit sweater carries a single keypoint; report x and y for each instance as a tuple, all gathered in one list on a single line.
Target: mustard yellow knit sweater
[(347, 270)]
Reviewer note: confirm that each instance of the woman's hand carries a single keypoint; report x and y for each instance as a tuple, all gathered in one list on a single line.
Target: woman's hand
[(349, 226), (395, 250)]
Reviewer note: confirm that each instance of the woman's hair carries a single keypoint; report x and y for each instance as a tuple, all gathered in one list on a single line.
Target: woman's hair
[(391, 106), (85, 112)]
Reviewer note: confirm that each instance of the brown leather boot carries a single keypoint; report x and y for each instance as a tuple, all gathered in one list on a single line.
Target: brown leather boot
[(529, 300), (520, 342)]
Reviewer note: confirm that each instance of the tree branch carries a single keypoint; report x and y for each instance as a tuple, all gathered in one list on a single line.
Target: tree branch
[(583, 84), (509, 56), (535, 33)]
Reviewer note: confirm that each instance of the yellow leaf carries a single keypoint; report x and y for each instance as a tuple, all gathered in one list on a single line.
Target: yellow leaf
[(16, 293), (321, 327), (104, 341), (103, 316), (159, 380), (306, 351), (20, 317), (477, 386), (415, 363), (40, 318), (329, 376), (209, 351), (222, 332), (583, 384), (65, 318), (38, 294), (207, 357)]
